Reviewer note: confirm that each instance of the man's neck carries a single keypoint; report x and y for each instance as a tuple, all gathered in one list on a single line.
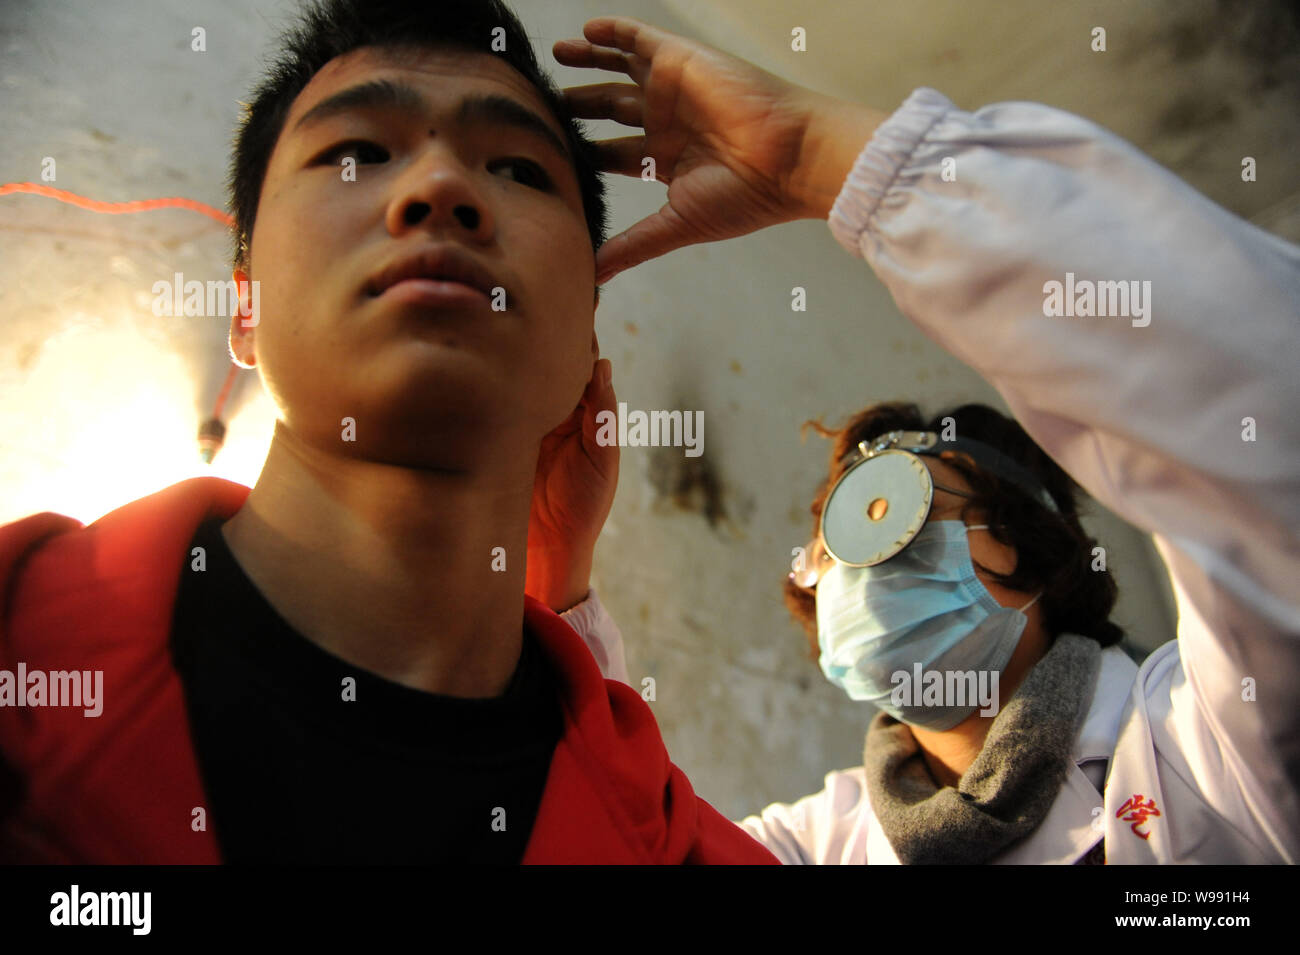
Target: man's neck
[(392, 568)]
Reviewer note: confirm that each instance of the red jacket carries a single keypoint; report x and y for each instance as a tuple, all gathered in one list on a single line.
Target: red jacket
[(121, 787)]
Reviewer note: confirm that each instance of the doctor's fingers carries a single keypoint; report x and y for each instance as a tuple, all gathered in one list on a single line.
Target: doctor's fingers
[(622, 102), (624, 156), (618, 44)]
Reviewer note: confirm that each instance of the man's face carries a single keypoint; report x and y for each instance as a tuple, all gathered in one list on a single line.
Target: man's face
[(427, 378)]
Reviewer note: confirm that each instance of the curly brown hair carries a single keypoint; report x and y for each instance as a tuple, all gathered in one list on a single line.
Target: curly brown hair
[(1053, 551)]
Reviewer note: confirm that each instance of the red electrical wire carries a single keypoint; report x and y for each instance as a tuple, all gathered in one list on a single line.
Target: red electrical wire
[(115, 208), (120, 208), (225, 391)]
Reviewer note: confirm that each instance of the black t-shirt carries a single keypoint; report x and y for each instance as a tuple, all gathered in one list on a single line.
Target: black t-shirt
[(296, 773)]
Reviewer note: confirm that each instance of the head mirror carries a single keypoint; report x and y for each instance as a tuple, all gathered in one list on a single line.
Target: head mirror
[(876, 508)]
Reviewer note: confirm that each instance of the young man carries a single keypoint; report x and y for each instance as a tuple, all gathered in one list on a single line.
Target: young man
[(341, 665)]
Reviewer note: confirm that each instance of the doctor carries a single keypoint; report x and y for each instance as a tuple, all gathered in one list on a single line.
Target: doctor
[(1145, 338)]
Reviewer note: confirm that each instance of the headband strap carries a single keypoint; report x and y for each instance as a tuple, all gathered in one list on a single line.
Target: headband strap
[(991, 459), (985, 455)]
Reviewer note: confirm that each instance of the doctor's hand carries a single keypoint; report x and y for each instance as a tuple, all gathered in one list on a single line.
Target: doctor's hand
[(739, 148), (572, 495)]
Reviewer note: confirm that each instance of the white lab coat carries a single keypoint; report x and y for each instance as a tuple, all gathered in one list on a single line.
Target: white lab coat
[(1146, 413)]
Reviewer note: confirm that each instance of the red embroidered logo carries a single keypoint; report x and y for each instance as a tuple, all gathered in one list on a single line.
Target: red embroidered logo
[(1138, 809)]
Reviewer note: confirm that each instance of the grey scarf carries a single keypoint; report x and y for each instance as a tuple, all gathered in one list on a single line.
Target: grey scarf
[(1015, 779)]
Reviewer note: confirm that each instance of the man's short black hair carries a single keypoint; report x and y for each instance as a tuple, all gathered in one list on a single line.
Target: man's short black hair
[(330, 28)]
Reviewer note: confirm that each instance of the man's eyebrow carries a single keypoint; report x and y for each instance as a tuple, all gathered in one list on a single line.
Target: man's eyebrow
[(477, 109), (375, 94), (494, 109)]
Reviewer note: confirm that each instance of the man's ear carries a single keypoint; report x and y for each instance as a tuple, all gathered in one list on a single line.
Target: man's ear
[(595, 346), (243, 324)]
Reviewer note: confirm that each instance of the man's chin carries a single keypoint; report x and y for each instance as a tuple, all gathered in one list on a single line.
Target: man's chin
[(414, 431), (430, 447)]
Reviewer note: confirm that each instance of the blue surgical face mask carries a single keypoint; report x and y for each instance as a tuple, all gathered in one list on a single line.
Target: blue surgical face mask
[(924, 605)]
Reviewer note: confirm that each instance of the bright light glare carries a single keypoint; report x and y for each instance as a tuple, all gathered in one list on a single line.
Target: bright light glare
[(105, 416), (248, 436)]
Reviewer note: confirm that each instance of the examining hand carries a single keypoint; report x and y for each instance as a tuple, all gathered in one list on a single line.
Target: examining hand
[(739, 148), (572, 495)]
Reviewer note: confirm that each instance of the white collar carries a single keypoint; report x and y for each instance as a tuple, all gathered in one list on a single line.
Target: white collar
[(1075, 822)]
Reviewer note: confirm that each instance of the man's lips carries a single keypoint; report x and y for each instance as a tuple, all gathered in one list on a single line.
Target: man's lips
[(438, 273), (422, 291)]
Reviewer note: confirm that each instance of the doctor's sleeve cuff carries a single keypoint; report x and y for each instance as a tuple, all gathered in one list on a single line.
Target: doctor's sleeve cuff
[(879, 164), (600, 633)]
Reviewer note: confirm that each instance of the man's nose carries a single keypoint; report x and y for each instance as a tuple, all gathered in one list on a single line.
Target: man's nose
[(439, 192)]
